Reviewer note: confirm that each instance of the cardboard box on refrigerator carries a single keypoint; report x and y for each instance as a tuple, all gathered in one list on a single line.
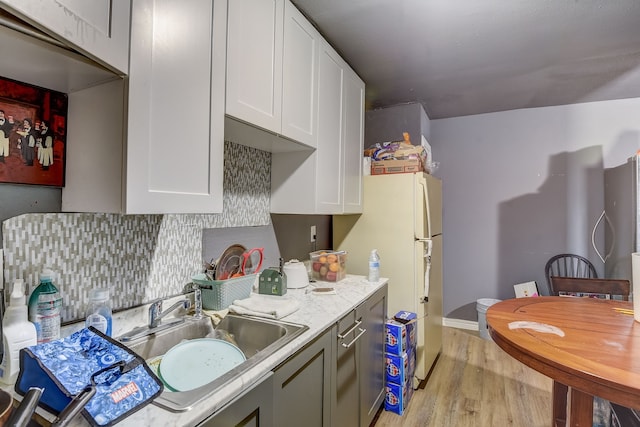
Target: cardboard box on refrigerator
[(385, 167)]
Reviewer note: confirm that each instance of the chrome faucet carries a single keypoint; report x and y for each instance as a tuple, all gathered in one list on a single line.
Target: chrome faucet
[(156, 313)]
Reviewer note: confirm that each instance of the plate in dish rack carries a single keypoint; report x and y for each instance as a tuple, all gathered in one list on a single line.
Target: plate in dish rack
[(230, 262)]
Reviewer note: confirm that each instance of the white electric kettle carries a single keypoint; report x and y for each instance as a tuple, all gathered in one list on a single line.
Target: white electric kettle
[(296, 272)]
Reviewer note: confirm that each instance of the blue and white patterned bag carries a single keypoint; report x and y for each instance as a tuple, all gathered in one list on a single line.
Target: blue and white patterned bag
[(66, 367)]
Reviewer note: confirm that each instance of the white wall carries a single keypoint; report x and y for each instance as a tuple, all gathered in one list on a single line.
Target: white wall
[(520, 186)]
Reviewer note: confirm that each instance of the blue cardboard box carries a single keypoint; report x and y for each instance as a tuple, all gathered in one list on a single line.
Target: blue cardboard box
[(396, 341), (397, 397), (397, 368), (409, 319), (405, 316)]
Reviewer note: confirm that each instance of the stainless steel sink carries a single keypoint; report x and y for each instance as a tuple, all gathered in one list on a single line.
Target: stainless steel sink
[(258, 338)]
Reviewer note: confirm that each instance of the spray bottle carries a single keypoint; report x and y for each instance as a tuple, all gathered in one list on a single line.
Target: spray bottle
[(17, 333)]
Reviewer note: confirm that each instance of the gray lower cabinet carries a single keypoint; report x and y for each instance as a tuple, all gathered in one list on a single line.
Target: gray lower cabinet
[(359, 363), (302, 386), (336, 380), (253, 408)]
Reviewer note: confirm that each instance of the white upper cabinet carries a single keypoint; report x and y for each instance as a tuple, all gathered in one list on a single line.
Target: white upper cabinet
[(175, 134), (175, 116), (329, 174), (254, 62), (329, 179), (300, 77), (97, 28), (272, 63), (353, 141)]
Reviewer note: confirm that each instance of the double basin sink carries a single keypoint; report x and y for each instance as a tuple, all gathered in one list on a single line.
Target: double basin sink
[(257, 338)]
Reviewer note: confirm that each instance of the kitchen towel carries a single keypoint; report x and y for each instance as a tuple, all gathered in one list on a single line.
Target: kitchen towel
[(635, 283), (265, 306), (216, 316)]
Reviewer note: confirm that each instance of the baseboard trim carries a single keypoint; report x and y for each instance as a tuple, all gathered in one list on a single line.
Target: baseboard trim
[(460, 324)]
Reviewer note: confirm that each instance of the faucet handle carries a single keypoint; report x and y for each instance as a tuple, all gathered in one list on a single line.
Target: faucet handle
[(197, 302), (155, 309)]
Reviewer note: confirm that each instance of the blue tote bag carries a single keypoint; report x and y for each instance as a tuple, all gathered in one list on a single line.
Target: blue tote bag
[(88, 359)]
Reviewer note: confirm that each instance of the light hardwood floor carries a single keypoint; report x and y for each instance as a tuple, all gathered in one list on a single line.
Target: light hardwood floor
[(476, 384)]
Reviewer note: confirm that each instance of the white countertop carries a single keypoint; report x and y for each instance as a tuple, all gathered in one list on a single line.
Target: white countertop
[(318, 312)]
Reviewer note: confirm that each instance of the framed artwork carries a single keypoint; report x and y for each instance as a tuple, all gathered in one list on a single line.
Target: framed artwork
[(33, 124)]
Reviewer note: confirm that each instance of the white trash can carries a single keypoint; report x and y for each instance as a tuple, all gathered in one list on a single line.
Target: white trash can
[(482, 305)]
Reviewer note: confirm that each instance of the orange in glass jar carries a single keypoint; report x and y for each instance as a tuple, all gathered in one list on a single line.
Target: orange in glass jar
[(335, 267)]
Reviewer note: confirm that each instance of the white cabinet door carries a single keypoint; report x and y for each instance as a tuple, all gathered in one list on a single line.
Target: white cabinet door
[(300, 77), (328, 180), (330, 158), (254, 62), (353, 141), (98, 28), (176, 107)]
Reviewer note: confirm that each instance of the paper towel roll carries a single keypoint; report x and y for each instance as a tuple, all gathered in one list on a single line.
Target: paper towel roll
[(635, 283)]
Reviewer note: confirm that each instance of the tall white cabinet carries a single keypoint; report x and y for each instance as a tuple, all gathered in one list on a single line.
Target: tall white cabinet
[(174, 123), (97, 28), (175, 134)]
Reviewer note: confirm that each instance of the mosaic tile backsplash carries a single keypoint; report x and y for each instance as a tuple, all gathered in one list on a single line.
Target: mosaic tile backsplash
[(138, 257)]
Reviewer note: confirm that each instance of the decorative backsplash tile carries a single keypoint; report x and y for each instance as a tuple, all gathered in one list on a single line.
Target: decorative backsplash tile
[(138, 257)]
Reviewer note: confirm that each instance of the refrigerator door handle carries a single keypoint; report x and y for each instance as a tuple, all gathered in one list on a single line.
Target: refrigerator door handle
[(423, 184), (427, 270), (607, 220)]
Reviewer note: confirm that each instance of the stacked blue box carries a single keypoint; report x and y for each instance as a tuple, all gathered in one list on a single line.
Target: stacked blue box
[(400, 356)]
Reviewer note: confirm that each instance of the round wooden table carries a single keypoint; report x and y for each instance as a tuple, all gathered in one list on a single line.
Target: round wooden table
[(585, 345)]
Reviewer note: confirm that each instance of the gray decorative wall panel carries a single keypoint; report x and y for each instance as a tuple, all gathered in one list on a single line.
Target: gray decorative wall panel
[(138, 257)]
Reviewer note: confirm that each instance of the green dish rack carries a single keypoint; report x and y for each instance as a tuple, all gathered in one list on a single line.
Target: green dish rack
[(220, 294)]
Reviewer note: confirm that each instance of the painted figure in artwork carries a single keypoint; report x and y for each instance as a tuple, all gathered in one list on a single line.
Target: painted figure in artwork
[(6, 126), (45, 152), (27, 142)]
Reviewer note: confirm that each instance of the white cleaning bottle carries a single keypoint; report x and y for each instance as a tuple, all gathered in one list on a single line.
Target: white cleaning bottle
[(17, 333), (374, 266)]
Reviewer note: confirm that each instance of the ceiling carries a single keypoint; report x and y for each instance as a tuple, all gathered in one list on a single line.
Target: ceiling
[(463, 57)]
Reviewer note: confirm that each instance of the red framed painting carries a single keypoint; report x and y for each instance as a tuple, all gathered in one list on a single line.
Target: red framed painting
[(32, 134)]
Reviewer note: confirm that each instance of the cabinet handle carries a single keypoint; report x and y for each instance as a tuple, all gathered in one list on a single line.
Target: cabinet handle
[(362, 331), (353, 328)]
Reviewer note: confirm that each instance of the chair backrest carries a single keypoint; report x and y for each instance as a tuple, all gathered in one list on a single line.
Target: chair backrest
[(568, 265), (593, 286)]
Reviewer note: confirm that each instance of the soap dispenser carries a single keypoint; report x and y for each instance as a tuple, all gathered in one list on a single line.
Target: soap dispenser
[(17, 333)]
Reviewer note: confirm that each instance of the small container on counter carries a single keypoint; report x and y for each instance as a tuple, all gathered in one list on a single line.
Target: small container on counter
[(99, 311), (329, 266)]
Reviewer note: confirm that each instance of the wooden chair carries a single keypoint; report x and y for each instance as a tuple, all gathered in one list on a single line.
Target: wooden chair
[(601, 286), (568, 265)]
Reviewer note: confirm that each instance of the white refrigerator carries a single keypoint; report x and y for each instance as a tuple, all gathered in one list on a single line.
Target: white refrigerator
[(402, 218)]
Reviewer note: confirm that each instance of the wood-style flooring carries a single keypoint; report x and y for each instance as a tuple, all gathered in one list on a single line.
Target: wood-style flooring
[(476, 384)]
